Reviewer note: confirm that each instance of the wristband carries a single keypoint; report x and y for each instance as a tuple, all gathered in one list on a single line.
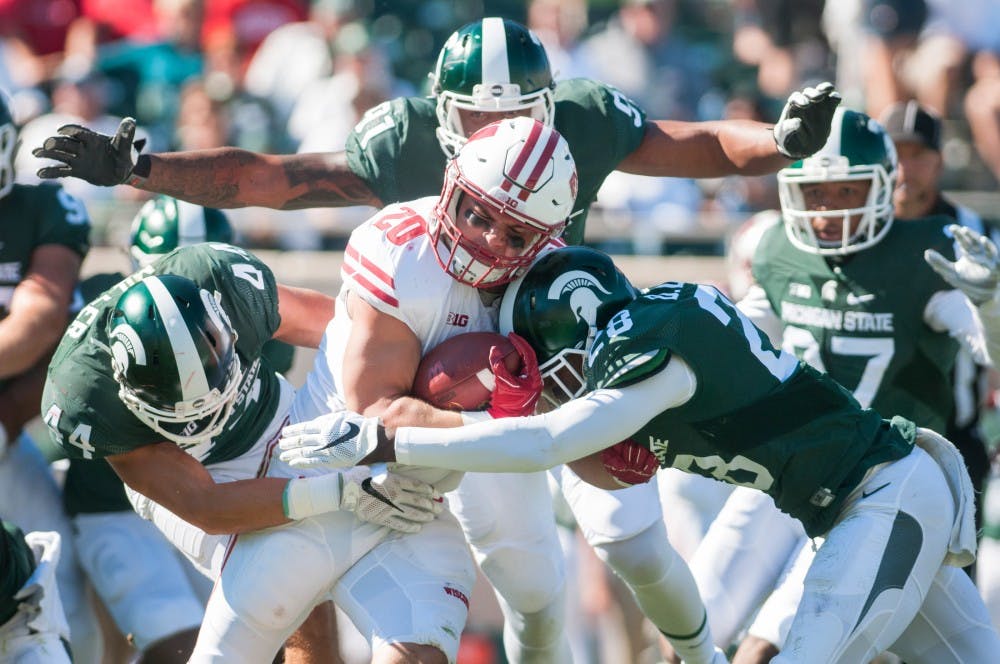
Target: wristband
[(308, 496), (140, 171)]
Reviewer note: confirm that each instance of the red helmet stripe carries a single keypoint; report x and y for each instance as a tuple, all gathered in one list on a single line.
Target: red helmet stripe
[(543, 160), (522, 158)]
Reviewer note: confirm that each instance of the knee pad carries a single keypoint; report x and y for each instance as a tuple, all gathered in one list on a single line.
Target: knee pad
[(642, 559), (529, 581)]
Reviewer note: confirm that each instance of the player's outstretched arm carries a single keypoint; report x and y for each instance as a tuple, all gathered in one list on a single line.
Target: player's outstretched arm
[(576, 429), (170, 477), (736, 147), (220, 177)]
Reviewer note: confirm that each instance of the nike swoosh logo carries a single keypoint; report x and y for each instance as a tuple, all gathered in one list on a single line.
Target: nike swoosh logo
[(352, 431), (865, 494), (853, 299), (366, 486)]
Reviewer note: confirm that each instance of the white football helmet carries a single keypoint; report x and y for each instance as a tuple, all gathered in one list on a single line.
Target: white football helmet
[(521, 168), (858, 149)]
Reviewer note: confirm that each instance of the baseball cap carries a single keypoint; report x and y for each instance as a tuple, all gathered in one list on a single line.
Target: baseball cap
[(909, 121)]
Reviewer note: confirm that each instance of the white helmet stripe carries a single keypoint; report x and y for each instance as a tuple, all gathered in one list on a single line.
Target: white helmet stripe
[(190, 372), (833, 141), (190, 223), (494, 55)]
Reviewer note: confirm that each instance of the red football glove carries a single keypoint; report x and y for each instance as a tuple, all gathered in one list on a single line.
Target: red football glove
[(515, 396), (629, 463)]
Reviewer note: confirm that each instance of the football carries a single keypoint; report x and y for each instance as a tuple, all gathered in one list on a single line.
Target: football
[(456, 375)]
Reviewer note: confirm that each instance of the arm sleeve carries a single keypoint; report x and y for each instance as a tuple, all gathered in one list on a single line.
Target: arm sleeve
[(574, 430), (977, 329), (758, 308)]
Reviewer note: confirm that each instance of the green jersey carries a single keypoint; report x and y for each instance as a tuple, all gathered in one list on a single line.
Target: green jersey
[(758, 418), (80, 404), (32, 216), (16, 565), (91, 485), (861, 318), (395, 150)]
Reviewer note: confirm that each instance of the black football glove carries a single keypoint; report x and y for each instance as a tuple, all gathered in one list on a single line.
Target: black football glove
[(88, 155), (805, 121)]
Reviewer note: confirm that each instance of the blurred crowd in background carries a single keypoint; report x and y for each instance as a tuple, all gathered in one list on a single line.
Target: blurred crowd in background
[(296, 75)]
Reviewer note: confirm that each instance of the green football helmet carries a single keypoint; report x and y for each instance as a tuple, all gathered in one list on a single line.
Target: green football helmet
[(858, 149), (173, 354), (558, 306), (164, 223), (491, 65), (8, 145)]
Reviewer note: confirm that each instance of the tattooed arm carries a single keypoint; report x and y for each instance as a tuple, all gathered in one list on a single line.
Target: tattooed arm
[(231, 178)]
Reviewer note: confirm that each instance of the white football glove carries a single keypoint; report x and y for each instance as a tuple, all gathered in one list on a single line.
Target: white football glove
[(386, 499), (335, 440), (804, 123), (976, 270), (376, 496)]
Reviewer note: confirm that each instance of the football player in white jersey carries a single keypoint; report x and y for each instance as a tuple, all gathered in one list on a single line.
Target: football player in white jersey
[(505, 199), (506, 196)]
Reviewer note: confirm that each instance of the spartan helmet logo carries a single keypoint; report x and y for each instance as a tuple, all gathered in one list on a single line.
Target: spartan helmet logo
[(828, 291), (583, 301), (125, 344)]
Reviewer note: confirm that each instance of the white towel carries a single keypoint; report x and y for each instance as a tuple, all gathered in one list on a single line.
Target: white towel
[(39, 595), (962, 545)]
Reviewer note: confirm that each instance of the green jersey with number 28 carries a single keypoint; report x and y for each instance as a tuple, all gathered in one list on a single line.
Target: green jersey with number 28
[(80, 404), (395, 151), (758, 418)]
